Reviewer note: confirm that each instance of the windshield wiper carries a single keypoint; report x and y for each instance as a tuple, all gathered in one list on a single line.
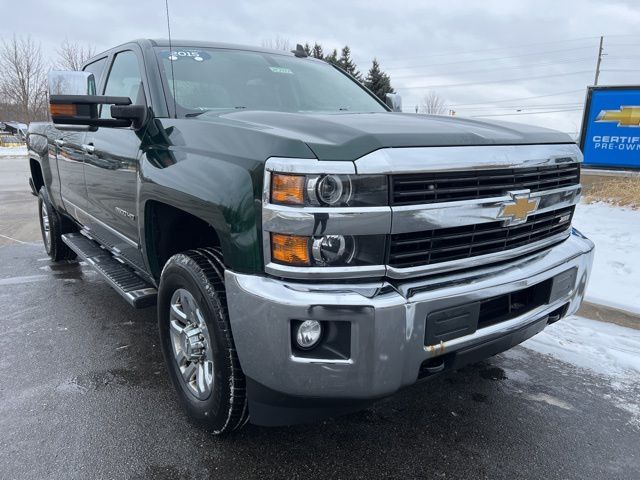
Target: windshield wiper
[(195, 114)]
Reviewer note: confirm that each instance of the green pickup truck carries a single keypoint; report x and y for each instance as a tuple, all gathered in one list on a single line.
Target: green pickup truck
[(308, 248)]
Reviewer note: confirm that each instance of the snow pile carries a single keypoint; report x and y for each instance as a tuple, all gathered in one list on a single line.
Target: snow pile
[(615, 279), (607, 349), (12, 151)]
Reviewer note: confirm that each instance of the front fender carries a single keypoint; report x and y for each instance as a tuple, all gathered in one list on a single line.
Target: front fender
[(213, 171)]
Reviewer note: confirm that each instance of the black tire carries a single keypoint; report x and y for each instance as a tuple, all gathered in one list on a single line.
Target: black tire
[(56, 248), (201, 273)]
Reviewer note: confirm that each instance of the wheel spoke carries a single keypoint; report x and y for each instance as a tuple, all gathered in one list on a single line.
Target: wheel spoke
[(187, 308), (180, 357), (189, 372), (177, 312), (176, 327), (201, 381)]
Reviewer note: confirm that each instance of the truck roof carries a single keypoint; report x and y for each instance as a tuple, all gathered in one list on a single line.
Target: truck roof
[(163, 42)]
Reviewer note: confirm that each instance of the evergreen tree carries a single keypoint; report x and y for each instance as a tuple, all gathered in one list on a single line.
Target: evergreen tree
[(378, 82), (317, 51), (333, 58), (307, 48), (348, 65)]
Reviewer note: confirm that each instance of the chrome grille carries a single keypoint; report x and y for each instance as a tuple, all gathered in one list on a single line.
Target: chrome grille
[(445, 244), (435, 187)]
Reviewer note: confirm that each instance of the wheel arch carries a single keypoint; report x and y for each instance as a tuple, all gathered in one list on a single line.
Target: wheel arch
[(36, 173), (169, 230)]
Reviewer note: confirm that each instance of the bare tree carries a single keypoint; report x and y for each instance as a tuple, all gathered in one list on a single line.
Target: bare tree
[(432, 104), (73, 55), (277, 43), (23, 78)]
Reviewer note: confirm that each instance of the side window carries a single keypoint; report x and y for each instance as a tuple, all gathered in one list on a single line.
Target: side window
[(96, 68), (124, 80)]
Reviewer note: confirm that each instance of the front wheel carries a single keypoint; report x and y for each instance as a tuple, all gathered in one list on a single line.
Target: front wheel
[(196, 340)]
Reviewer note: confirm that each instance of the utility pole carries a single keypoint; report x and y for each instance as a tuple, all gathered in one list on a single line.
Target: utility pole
[(595, 82)]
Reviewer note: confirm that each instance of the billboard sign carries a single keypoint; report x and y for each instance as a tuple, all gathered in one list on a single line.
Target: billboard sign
[(610, 134)]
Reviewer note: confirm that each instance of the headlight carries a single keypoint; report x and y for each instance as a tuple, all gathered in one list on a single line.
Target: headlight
[(328, 250), (329, 190)]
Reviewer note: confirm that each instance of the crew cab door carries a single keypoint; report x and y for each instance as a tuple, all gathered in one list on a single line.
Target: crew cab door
[(70, 156), (111, 164), (70, 162)]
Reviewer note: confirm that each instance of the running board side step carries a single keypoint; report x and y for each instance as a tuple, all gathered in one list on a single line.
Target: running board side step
[(135, 290)]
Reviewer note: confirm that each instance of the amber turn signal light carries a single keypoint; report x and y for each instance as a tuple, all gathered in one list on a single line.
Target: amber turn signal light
[(287, 189), (290, 249), (62, 109)]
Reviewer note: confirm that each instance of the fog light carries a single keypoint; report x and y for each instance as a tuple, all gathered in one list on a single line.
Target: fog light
[(308, 334)]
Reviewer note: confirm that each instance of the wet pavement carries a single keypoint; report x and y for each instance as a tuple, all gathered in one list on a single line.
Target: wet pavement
[(18, 210), (84, 394)]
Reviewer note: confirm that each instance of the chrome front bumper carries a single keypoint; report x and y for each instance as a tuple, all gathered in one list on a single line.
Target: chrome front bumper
[(387, 322)]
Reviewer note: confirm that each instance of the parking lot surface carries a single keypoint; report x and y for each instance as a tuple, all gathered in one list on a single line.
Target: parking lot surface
[(84, 394)]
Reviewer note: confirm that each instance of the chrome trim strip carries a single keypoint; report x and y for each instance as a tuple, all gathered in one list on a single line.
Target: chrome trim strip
[(450, 159), (308, 165), (323, 273), (400, 273), (415, 218), (310, 221), (336, 361), (499, 329), (111, 229)]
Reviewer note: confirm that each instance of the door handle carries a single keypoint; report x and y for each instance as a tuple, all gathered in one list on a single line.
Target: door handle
[(89, 148), (59, 142)]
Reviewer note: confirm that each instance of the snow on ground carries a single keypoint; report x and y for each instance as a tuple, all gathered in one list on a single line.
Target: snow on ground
[(12, 151), (610, 351), (615, 279), (604, 348)]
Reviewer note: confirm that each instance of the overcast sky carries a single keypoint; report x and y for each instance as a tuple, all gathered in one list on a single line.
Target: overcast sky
[(482, 57)]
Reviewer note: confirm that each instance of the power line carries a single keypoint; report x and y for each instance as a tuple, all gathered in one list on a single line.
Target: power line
[(519, 46), (523, 107), (620, 70), (527, 113), (518, 67), (521, 98), (490, 59), (581, 72)]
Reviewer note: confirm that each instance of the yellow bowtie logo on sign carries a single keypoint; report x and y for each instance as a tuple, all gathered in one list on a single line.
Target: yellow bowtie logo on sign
[(625, 117)]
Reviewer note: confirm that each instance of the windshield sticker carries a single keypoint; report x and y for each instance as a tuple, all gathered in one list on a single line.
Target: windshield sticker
[(195, 55), (281, 70)]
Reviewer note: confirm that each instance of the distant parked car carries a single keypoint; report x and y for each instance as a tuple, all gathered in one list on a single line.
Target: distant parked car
[(10, 141)]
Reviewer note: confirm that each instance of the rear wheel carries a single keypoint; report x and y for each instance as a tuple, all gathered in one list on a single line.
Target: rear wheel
[(197, 343), (52, 226)]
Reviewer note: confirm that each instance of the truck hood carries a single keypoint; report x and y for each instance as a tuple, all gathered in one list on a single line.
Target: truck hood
[(348, 136)]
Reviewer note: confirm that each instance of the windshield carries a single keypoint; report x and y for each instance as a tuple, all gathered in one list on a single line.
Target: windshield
[(218, 79)]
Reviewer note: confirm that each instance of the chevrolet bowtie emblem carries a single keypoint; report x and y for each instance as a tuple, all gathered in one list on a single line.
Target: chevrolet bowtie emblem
[(625, 117), (518, 209)]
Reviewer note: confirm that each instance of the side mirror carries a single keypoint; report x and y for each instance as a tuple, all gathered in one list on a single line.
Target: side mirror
[(394, 102), (73, 101), (71, 83)]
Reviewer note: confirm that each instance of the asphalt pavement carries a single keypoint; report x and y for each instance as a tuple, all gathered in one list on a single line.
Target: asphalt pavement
[(84, 394)]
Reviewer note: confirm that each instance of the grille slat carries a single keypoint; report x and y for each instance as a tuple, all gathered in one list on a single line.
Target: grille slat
[(435, 246), (418, 188)]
